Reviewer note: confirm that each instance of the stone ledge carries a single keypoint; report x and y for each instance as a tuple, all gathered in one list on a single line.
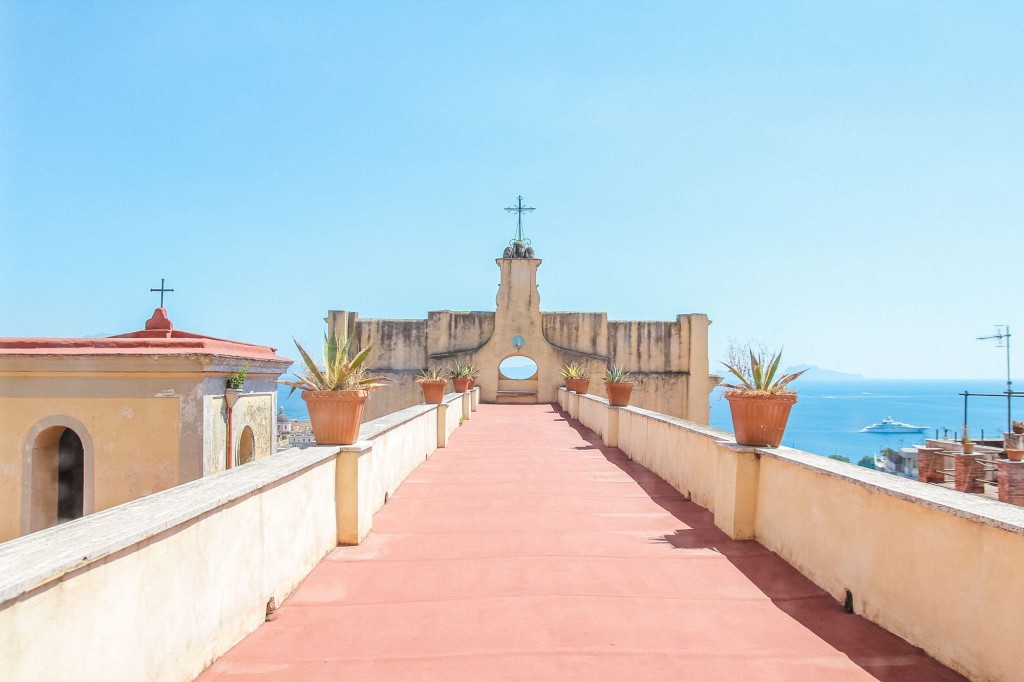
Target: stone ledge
[(963, 505), (36, 559), (33, 560)]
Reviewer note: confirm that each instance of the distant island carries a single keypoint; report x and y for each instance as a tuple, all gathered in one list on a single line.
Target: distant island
[(819, 374)]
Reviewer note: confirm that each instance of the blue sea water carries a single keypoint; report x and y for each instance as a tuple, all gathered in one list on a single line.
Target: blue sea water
[(829, 415)]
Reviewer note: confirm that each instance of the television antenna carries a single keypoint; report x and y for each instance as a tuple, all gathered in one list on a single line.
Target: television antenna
[(1003, 333)]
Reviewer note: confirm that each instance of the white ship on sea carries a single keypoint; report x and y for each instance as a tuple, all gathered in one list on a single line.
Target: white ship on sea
[(887, 425)]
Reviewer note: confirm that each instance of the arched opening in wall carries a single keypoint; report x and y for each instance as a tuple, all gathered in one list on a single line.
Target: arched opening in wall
[(517, 380), (70, 477), (246, 446), (517, 367), (57, 484)]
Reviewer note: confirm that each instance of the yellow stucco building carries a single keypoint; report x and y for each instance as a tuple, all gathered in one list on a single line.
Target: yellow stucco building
[(86, 424)]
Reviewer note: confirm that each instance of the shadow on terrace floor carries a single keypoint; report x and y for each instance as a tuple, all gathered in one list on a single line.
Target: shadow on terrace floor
[(877, 651)]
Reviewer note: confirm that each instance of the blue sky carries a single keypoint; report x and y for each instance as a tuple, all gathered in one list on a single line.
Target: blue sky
[(843, 179)]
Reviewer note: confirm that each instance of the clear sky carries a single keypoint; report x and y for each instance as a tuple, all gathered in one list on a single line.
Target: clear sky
[(843, 179)]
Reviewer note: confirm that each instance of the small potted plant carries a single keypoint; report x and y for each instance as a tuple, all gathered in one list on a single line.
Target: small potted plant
[(582, 380), (618, 386), (569, 371), (462, 376), (761, 402), (336, 392), (235, 383), (432, 381)]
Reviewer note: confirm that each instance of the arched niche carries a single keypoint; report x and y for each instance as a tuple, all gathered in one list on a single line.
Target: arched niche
[(57, 473), (246, 446)]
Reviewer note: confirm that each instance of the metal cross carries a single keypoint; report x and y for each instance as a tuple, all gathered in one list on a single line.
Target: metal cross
[(519, 209), (162, 290)]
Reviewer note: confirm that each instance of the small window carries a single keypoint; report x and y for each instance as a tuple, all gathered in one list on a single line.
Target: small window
[(518, 367)]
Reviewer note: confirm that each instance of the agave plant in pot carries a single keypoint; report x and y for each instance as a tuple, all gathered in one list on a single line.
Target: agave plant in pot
[(463, 375), (761, 403), (336, 392), (618, 386), (432, 380), (577, 378)]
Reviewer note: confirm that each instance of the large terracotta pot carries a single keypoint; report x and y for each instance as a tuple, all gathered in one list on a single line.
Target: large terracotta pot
[(618, 392), (968, 448), (462, 385), (335, 415), (433, 390), (1014, 455), (583, 385), (760, 419)]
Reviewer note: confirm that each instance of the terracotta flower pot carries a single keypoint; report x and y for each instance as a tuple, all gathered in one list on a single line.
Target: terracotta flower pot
[(335, 415), (1014, 455), (583, 385), (618, 392), (472, 383), (462, 385), (968, 448), (760, 420), (433, 390)]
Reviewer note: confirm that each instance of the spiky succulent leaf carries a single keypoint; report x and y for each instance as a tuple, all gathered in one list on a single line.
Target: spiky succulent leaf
[(311, 367)]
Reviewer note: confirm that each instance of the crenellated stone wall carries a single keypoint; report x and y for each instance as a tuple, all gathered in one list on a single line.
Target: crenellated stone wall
[(668, 359)]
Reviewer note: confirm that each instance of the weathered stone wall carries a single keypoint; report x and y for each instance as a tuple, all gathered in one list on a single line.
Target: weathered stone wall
[(668, 359), (450, 332), (584, 333)]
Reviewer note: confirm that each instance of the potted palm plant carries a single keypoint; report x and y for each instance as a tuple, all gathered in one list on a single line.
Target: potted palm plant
[(432, 380), (618, 386), (761, 403), (336, 392)]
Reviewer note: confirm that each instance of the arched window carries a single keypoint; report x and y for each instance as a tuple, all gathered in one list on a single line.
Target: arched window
[(246, 446), (517, 367), (70, 477), (57, 481)]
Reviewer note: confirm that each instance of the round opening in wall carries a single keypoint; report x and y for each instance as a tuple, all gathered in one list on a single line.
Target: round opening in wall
[(518, 367)]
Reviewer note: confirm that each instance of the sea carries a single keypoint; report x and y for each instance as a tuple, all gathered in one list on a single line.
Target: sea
[(829, 414)]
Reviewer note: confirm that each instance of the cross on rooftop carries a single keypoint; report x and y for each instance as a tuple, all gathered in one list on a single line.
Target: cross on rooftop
[(519, 209), (162, 291)]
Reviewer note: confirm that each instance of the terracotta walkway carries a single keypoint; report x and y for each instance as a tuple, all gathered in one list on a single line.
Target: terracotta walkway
[(527, 551)]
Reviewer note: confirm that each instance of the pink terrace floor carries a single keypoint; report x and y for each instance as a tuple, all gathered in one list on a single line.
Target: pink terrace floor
[(526, 550)]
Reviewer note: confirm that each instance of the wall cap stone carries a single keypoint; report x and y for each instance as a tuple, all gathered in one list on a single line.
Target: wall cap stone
[(39, 558), (962, 505)]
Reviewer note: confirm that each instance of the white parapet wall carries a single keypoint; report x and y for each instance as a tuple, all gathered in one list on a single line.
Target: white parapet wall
[(159, 588), (939, 568)]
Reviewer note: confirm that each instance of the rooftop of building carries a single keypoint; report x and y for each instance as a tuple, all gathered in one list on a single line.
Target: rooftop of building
[(556, 557), (158, 337)]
